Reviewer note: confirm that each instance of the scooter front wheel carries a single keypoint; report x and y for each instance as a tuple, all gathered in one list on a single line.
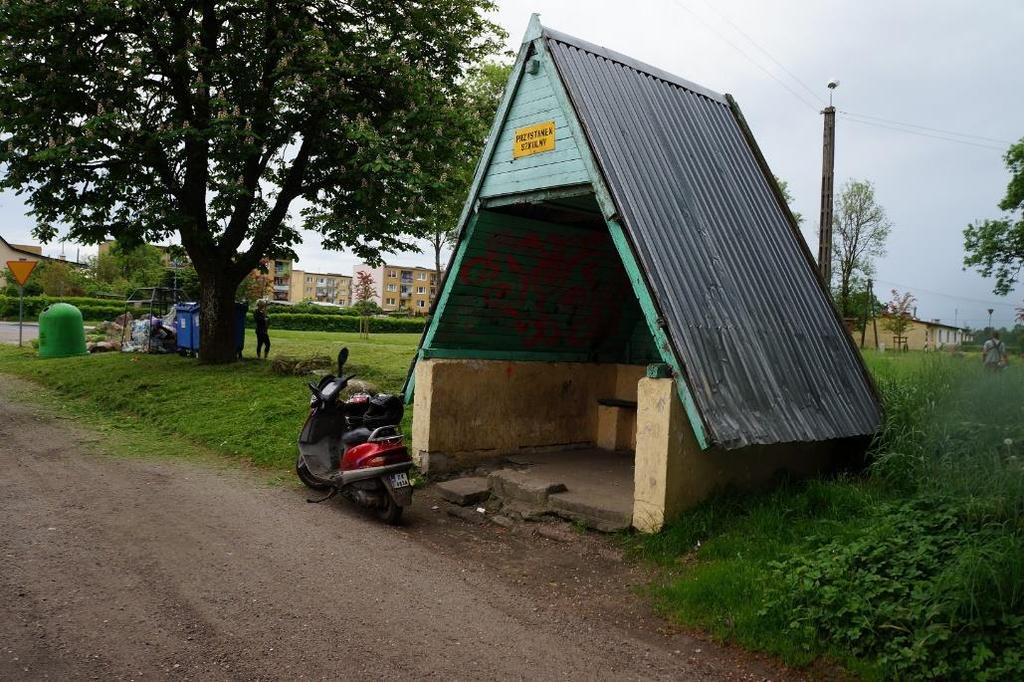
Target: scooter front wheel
[(307, 477)]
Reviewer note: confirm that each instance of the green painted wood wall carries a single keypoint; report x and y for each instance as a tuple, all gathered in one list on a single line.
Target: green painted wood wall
[(532, 286), (534, 102)]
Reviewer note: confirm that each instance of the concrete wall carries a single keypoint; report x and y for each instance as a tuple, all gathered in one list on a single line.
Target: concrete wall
[(469, 411), (672, 474)]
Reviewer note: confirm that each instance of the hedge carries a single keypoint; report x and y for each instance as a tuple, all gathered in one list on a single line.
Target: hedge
[(309, 309), (342, 323), (327, 320), (92, 308)]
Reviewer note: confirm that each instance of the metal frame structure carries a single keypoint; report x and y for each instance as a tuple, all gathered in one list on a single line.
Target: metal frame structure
[(160, 299)]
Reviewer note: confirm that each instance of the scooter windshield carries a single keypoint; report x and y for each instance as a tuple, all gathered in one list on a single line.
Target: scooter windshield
[(321, 457)]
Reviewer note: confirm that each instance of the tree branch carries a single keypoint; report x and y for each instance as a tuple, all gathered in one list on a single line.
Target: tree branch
[(290, 189)]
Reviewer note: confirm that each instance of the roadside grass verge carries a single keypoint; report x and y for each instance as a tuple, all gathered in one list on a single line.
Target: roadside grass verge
[(243, 410), (913, 569)]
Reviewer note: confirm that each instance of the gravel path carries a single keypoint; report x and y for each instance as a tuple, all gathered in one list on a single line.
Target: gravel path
[(9, 332), (137, 568)]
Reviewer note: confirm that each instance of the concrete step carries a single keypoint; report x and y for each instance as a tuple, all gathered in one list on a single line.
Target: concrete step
[(523, 486), (465, 491), (606, 516)]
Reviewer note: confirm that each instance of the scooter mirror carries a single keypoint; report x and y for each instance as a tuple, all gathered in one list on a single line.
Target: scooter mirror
[(342, 359)]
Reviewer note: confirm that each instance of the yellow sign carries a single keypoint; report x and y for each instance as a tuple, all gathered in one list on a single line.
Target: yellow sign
[(540, 137), (21, 269)]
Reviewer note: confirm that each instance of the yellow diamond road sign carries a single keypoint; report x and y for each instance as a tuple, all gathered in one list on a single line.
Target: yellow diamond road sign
[(21, 269)]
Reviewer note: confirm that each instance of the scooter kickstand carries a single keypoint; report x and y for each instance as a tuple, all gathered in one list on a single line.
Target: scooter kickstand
[(334, 491)]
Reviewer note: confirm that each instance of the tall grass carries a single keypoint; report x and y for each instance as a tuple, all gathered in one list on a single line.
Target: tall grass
[(914, 569), (952, 428)]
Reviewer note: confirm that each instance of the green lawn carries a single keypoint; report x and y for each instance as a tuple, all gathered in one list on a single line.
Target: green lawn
[(241, 409)]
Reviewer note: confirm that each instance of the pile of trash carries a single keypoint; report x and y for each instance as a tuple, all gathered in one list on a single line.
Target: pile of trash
[(147, 334)]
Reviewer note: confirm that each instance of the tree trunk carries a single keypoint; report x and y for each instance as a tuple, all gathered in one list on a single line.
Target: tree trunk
[(217, 343), (844, 298), (437, 273)]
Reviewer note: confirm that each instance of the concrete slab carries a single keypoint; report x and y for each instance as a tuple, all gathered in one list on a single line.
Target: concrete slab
[(608, 515), (465, 491), (594, 487), (524, 486)]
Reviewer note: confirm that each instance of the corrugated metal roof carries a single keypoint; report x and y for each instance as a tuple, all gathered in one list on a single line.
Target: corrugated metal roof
[(765, 355)]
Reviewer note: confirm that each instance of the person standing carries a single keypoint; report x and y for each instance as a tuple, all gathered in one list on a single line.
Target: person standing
[(262, 323), (993, 353)]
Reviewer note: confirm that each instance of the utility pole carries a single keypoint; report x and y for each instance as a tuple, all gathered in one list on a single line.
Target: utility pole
[(828, 157)]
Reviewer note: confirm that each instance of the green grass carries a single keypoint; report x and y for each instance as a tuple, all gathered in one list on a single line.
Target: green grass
[(243, 409), (911, 568)]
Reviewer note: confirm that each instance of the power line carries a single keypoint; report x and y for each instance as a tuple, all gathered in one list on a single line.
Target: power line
[(768, 54), (934, 130), (864, 119), (911, 288), (680, 5), (848, 117)]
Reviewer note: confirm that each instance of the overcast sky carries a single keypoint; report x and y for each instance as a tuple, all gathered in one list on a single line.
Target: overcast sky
[(941, 65)]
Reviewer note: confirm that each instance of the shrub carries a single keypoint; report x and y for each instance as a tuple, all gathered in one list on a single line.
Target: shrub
[(341, 323), (309, 309), (92, 308), (930, 589)]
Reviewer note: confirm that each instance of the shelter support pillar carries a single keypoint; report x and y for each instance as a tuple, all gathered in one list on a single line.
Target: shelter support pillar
[(661, 424), (672, 473)]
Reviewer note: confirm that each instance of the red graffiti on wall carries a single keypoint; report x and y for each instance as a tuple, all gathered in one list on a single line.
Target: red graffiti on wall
[(549, 291)]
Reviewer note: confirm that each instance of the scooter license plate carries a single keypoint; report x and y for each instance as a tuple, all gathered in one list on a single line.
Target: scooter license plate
[(399, 480)]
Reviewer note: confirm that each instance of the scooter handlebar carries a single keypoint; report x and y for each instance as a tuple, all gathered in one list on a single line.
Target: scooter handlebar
[(316, 391)]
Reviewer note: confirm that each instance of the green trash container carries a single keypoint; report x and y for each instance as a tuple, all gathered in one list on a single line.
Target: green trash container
[(61, 332)]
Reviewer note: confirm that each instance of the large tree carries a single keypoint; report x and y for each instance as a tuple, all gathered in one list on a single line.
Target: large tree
[(860, 228), (995, 248), (213, 118), (482, 91)]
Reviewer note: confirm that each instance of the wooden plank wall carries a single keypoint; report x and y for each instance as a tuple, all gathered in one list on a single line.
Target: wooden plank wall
[(541, 287), (534, 102)]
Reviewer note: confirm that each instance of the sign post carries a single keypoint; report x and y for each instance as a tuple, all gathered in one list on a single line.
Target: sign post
[(21, 269)]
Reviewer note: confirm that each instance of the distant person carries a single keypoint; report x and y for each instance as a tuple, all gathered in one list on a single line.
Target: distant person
[(993, 353), (262, 337)]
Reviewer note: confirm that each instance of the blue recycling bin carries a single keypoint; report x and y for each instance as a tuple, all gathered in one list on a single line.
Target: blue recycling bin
[(186, 322), (187, 326)]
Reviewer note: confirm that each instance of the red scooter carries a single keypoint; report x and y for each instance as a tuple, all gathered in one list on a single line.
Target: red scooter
[(354, 447)]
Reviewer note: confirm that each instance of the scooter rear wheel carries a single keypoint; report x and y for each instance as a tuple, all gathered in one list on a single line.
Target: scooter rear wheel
[(306, 477), (390, 513)]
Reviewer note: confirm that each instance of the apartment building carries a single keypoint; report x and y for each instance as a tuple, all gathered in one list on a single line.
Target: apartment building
[(281, 271), (402, 288), (323, 287)]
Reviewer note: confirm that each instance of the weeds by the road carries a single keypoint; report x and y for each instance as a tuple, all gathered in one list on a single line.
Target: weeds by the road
[(242, 409), (913, 570)]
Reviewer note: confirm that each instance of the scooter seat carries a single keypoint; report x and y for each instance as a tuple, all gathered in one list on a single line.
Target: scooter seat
[(356, 437)]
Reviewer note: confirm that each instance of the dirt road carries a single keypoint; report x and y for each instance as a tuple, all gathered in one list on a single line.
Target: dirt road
[(136, 568)]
